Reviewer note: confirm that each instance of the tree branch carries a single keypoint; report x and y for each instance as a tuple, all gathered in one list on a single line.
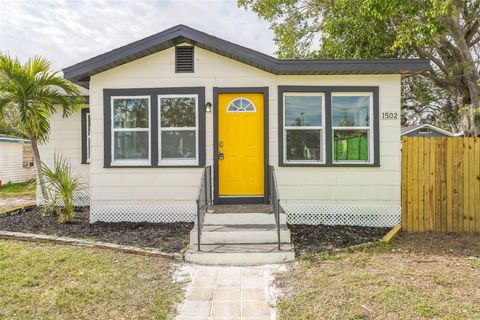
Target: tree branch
[(425, 54), (442, 82), (470, 32)]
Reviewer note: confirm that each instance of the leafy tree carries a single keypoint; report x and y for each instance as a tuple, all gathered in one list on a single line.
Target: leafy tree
[(444, 31), (29, 92), (10, 124), (424, 102)]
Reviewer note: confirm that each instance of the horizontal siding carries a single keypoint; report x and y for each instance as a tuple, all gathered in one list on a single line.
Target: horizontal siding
[(144, 193), (11, 163), (371, 186), (65, 139)]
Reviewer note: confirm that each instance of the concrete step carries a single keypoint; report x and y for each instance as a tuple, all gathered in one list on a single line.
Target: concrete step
[(240, 254), (251, 233), (242, 218)]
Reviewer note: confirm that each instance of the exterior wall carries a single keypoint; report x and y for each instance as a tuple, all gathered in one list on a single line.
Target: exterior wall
[(11, 163), (65, 139), (310, 195)]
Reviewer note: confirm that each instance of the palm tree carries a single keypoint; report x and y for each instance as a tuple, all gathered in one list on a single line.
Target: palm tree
[(30, 91)]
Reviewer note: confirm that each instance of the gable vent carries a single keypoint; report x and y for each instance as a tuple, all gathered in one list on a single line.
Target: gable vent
[(184, 59)]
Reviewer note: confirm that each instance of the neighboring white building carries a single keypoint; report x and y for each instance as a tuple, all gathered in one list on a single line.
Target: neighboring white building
[(16, 160), (427, 130), (330, 128)]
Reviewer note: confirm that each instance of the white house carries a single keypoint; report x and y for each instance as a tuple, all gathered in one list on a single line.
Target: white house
[(16, 160), (163, 108), (329, 127)]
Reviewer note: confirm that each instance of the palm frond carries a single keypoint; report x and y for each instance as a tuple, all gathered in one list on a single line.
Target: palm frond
[(33, 90), (62, 185)]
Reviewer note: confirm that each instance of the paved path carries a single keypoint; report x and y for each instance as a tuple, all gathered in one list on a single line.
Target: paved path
[(9, 202), (229, 293)]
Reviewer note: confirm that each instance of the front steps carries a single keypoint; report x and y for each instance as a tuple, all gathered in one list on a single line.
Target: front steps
[(240, 239)]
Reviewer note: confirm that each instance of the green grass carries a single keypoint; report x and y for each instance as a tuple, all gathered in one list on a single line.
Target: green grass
[(381, 282), (18, 189), (44, 281)]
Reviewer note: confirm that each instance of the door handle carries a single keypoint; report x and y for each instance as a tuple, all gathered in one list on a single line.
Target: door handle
[(220, 156)]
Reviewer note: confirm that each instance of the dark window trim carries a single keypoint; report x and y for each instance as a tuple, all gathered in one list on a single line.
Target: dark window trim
[(84, 113), (193, 60), (153, 92), (216, 92), (328, 90)]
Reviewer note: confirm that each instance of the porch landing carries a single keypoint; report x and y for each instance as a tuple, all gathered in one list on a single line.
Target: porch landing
[(241, 235), (242, 208)]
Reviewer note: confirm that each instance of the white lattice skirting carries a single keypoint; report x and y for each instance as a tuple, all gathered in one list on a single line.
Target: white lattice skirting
[(81, 199), (299, 212), (169, 212)]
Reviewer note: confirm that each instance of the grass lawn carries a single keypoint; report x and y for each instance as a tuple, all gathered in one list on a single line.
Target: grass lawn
[(18, 189), (44, 281), (14, 195), (421, 276)]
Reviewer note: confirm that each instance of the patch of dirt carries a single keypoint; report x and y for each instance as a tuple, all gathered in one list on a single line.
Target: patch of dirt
[(168, 237), (7, 202), (417, 276), (311, 239), (450, 244)]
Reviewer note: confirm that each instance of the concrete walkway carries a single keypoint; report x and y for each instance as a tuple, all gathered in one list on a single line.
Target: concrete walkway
[(229, 293)]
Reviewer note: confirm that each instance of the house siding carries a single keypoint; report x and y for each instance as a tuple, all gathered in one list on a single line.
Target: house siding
[(11, 163), (66, 139), (158, 194)]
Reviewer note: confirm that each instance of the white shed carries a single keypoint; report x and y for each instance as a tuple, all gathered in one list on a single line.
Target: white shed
[(16, 160)]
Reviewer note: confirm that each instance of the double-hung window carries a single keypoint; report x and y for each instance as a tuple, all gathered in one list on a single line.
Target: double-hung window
[(178, 129), (304, 134), (352, 127), (87, 124), (131, 130), (328, 126), (85, 118)]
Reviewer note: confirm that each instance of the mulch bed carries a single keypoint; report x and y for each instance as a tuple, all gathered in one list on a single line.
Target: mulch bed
[(311, 239), (167, 237)]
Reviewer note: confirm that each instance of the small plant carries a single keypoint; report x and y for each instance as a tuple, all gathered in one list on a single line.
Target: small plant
[(62, 187)]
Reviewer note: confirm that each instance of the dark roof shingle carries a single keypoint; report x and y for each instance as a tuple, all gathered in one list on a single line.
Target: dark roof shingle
[(80, 73)]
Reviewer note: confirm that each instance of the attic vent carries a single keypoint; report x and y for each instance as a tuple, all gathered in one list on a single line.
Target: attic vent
[(184, 59)]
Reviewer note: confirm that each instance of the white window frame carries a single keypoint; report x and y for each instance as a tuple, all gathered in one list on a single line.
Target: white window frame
[(369, 128), (241, 111), (178, 161), (321, 128), (131, 162), (88, 134)]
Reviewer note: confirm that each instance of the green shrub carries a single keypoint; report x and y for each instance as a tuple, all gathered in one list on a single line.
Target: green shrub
[(62, 187)]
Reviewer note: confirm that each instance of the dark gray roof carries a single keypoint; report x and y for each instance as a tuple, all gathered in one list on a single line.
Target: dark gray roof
[(80, 73)]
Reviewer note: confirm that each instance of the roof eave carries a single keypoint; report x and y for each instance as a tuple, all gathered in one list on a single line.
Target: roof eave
[(80, 73)]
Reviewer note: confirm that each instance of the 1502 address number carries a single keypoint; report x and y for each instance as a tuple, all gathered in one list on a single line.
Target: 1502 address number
[(389, 115)]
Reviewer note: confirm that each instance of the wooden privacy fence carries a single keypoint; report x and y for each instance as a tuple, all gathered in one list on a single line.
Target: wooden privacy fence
[(441, 184)]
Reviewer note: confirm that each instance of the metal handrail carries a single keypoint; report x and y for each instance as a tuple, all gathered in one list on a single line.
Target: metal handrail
[(275, 200), (204, 199)]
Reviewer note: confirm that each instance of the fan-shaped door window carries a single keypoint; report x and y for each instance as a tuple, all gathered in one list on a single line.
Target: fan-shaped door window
[(241, 105)]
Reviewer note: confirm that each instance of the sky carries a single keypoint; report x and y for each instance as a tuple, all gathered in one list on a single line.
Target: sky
[(70, 31)]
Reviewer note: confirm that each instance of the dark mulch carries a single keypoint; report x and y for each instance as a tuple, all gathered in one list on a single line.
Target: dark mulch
[(168, 237), (310, 239)]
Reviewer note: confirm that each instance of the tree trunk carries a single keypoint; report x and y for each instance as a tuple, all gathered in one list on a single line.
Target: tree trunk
[(38, 165), (470, 76), (470, 117)]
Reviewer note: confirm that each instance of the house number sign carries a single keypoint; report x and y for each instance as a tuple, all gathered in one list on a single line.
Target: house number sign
[(389, 115)]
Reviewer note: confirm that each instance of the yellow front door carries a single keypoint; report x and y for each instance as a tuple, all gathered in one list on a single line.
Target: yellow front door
[(240, 144)]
